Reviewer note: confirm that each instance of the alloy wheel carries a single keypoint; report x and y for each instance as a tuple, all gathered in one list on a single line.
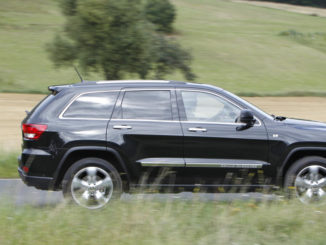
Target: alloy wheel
[(92, 187), (310, 185)]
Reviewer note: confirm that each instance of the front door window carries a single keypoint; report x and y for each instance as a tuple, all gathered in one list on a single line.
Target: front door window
[(206, 107)]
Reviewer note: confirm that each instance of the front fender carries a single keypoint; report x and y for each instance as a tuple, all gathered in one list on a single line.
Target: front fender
[(288, 159)]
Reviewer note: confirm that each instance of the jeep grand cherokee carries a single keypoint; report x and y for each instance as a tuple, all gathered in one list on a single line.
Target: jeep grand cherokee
[(95, 140)]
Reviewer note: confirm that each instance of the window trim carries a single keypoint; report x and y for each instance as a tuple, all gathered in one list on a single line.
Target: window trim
[(182, 107), (173, 102), (176, 96), (143, 120), (86, 118)]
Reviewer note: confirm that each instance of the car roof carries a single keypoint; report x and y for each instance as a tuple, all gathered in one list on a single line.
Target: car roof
[(119, 84)]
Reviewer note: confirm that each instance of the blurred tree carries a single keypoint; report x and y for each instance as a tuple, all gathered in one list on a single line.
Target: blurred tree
[(161, 13), (168, 56), (115, 38), (68, 7)]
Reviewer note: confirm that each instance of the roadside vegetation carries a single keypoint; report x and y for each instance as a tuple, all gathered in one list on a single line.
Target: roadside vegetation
[(165, 222), (235, 46), (8, 165)]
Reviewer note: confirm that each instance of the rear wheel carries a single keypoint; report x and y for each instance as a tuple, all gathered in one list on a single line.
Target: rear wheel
[(92, 183), (306, 180)]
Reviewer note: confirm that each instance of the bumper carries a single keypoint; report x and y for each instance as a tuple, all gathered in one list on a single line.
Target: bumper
[(35, 159), (43, 183)]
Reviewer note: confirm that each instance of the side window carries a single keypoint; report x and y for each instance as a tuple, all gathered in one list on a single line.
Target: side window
[(150, 105), (97, 105), (205, 107)]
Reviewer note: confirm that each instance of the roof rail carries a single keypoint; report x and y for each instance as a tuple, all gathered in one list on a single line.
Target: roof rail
[(132, 81)]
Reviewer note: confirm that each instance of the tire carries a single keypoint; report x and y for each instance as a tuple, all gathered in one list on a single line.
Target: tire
[(306, 180), (91, 183)]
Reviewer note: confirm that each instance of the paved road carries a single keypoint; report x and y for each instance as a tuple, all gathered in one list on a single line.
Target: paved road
[(17, 192)]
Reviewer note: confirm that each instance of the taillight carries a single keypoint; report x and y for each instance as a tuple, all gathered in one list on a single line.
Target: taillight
[(26, 169), (33, 131)]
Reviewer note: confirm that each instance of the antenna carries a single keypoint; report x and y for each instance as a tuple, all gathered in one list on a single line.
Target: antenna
[(81, 78)]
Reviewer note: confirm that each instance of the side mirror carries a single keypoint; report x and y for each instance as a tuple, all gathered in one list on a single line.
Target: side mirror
[(246, 117)]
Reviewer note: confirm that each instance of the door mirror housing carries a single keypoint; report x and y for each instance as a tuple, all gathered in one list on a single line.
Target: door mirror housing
[(246, 117)]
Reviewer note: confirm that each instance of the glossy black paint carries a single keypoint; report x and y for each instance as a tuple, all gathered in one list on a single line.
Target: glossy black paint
[(221, 141), (166, 144)]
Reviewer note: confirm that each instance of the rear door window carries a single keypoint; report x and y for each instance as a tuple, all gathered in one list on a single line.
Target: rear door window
[(147, 105), (97, 105)]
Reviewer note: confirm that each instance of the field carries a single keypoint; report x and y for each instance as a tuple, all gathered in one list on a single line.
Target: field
[(236, 46), (249, 50)]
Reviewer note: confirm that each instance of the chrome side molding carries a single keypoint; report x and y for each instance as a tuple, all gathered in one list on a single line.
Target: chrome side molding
[(162, 162), (122, 127), (202, 163), (197, 129), (224, 163)]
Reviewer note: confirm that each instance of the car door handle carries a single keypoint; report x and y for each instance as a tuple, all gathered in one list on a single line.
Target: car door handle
[(197, 129), (122, 127)]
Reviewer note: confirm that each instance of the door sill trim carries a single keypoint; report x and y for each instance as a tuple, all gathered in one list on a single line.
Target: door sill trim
[(162, 162), (224, 163)]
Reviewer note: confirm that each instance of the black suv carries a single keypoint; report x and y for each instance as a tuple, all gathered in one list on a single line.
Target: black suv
[(95, 140)]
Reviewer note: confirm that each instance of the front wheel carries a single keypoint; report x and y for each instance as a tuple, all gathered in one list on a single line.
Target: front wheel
[(306, 180), (92, 183)]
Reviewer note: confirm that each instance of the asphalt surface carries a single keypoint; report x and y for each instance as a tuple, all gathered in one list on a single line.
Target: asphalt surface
[(16, 192)]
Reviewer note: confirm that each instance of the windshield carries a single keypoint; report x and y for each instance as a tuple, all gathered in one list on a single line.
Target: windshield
[(250, 105)]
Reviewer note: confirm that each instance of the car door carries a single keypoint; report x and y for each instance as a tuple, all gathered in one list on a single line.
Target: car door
[(216, 149), (145, 129)]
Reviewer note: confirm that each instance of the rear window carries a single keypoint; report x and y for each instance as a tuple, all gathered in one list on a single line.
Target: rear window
[(97, 105), (40, 106)]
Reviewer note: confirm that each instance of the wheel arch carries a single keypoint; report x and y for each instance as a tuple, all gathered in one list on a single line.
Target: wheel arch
[(77, 153), (296, 154)]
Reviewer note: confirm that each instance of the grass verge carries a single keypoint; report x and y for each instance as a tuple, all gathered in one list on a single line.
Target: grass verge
[(235, 46), (168, 222), (8, 165)]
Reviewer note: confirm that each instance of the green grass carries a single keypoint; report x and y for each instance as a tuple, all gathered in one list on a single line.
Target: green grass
[(25, 27), (238, 47), (169, 222), (315, 40), (8, 165), (235, 46)]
